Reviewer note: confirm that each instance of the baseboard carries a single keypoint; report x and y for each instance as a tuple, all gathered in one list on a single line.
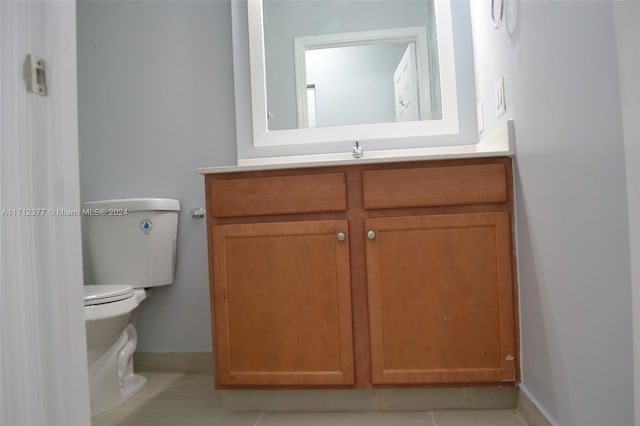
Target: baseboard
[(530, 410), (350, 400), (185, 362)]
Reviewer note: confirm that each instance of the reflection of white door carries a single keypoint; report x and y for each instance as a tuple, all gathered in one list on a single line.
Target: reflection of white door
[(405, 87)]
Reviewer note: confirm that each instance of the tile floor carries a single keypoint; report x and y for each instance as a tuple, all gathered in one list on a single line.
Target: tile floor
[(188, 399)]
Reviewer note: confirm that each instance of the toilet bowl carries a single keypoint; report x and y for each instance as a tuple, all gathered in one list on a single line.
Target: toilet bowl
[(130, 247), (110, 312)]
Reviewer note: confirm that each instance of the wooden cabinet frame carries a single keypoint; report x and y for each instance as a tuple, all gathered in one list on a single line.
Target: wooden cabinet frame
[(363, 199)]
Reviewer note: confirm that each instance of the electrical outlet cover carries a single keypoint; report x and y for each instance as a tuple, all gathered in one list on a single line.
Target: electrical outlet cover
[(501, 104), (480, 113)]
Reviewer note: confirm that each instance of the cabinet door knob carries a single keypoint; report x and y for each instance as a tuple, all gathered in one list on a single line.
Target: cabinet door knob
[(371, 235), (340, 236)]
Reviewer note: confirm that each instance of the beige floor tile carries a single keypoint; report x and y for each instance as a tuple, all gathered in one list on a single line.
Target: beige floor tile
[(346, 419), (158, 415), (185, 390), (302, 400), (464, 398), (478, 418), (188, 399)]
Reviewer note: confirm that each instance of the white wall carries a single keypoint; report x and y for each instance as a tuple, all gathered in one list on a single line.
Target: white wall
[(559, 62), (354, 84), (155, 103), (627, 20)]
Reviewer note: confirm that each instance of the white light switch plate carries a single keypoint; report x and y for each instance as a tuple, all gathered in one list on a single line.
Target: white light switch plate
[(501, 104)]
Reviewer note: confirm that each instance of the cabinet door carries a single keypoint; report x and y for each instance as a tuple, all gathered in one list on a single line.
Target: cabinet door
[(282, 301), (441, 306)]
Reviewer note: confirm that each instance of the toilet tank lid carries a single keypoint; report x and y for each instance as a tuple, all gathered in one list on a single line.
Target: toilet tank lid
[(135, 204)]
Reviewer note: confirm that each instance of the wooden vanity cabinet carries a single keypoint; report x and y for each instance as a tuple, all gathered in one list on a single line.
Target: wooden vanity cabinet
[(357, 276)]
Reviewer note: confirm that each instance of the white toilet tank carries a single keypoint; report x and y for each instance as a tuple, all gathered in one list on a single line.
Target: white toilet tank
[(131, 241)]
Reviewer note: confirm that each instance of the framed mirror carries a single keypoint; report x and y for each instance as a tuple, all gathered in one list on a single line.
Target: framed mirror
[(327, 71)]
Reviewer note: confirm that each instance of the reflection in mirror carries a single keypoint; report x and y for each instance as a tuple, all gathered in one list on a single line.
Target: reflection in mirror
[(337, 63), (364, 78), (342, 96)]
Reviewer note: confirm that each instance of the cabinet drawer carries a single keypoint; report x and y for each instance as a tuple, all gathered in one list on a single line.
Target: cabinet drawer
[(260, 196), (434, 186)]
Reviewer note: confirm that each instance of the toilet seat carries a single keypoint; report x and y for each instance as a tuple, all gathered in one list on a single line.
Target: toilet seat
[(106, 293)]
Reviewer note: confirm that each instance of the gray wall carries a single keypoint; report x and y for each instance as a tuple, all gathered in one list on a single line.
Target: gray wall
[(559, 62), (155, 83), (627, 19)]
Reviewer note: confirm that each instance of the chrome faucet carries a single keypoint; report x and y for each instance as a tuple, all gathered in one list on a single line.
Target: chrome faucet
[(357, 151)]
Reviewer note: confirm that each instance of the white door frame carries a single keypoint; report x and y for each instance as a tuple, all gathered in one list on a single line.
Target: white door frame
[(43, 364)]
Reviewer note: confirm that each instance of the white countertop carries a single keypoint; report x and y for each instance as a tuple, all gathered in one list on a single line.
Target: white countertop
[(497, 144)]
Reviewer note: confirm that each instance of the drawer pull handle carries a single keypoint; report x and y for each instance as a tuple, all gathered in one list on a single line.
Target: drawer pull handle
[(340, 236), (371, 235)]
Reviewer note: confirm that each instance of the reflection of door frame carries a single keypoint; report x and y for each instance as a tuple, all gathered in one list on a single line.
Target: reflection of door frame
[(417, 35)]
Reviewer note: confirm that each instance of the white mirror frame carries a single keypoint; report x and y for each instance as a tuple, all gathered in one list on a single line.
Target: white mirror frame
[(412, 130)]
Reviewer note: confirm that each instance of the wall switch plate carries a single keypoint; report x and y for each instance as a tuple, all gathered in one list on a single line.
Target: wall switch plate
[(501, 104), (480, 113)]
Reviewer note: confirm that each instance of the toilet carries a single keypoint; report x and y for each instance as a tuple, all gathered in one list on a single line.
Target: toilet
[(129, 248)]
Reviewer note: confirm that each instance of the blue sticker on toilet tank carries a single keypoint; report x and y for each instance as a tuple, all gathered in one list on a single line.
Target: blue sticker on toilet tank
[(146, 225)]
